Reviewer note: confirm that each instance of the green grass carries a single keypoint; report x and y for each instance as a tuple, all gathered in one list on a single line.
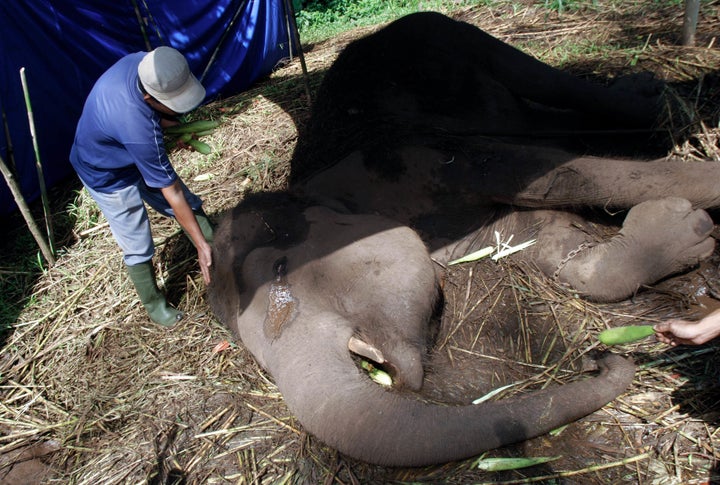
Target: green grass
[(21, 261), (319, 20), (562, 5), (18, 272)]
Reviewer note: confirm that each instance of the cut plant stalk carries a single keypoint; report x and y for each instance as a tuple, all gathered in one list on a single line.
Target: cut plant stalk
[(199, 146), (512, 249), (377, 375), (501, 464), (474, 256), (38, 165), (624, 335), (185, 131), (192, 127)]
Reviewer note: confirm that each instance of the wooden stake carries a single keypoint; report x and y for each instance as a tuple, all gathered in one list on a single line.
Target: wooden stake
[(690, 20), (25, 210), (294, 35), (38, 165)]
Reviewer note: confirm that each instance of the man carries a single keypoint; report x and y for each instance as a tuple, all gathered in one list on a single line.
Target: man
[(119, 155)]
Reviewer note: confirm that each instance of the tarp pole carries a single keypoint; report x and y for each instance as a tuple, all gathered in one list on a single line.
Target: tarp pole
[(222, 39), (148, 46), (38, 165), (690, 20), (290, 16), (151, 20)]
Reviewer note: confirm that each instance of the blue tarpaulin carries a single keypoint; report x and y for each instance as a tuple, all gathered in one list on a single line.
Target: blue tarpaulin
[(65, 45)]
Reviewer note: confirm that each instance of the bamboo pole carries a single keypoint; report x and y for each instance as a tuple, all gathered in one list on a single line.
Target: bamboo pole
[(38, 165), (25, 211), (8, 139)]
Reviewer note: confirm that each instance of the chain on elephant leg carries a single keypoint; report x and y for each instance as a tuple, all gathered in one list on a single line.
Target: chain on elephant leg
[(659, 238), (570, 255), (599, 272)]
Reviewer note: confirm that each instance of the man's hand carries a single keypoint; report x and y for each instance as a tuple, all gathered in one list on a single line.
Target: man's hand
[(186, 218), (205, 260), (179, 142), (677, 332), (166, 122)]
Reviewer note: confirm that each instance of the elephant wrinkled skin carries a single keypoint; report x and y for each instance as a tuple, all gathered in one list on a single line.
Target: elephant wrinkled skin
[(420, 147)]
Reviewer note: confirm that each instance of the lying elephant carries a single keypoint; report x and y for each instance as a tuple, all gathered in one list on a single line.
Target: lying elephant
[(396, 175)]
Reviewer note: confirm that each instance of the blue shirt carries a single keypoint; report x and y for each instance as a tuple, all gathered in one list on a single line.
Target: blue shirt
[(118, 140)]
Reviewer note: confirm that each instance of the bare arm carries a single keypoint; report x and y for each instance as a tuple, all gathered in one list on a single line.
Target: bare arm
[(185, 217), (675, 332)]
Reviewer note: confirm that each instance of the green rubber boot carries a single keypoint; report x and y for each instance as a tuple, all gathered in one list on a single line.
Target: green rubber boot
[(205, 225), (143, 277)]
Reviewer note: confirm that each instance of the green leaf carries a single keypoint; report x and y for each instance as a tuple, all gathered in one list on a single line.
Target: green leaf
[(493, 393)]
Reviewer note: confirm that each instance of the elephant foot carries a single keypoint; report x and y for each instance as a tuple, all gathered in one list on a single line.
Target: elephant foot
[(658, 238)]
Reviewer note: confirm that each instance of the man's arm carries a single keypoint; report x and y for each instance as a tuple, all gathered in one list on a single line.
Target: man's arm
[(186, 218), (676, 331)]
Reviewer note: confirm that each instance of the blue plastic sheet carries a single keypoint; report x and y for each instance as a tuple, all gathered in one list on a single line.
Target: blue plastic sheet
[(65, 45)]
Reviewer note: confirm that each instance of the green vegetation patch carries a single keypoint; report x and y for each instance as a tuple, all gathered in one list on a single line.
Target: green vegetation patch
[(322, 19)]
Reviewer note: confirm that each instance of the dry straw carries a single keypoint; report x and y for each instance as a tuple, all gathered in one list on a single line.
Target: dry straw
[(124, 401)]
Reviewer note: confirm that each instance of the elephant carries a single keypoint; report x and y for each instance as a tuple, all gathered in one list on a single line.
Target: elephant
[(419, 147)]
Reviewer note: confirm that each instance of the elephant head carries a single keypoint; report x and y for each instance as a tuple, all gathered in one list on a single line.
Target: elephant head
[(306, 288)]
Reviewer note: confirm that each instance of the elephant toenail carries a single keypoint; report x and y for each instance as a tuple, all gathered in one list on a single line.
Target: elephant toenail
[(704, 224)]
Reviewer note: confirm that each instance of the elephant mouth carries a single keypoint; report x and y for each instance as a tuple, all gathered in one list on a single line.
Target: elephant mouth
[(402, 371), (377, 367), (359, 347)]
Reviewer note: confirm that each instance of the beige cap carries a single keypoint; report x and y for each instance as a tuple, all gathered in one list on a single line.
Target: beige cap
[(165, 75)]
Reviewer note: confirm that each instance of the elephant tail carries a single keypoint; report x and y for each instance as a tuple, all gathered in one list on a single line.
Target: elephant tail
[(341, 406)]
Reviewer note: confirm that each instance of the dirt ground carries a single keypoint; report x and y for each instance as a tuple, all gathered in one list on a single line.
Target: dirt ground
[(93, 392)]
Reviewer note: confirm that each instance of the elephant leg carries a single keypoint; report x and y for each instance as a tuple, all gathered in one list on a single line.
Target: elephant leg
[(525, 77), (658, 238), (605, 183), (636, 102)]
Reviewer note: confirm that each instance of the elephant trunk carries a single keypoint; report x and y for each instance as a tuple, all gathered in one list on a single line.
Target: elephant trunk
[(342, 407)]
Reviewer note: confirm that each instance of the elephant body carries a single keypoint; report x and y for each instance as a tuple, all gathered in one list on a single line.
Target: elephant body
[(416, 153)]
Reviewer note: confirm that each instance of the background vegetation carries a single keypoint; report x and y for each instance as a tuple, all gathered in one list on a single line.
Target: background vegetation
[(321, 19)]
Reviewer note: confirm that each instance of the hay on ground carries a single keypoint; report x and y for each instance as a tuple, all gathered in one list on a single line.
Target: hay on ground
[(116, 399)]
